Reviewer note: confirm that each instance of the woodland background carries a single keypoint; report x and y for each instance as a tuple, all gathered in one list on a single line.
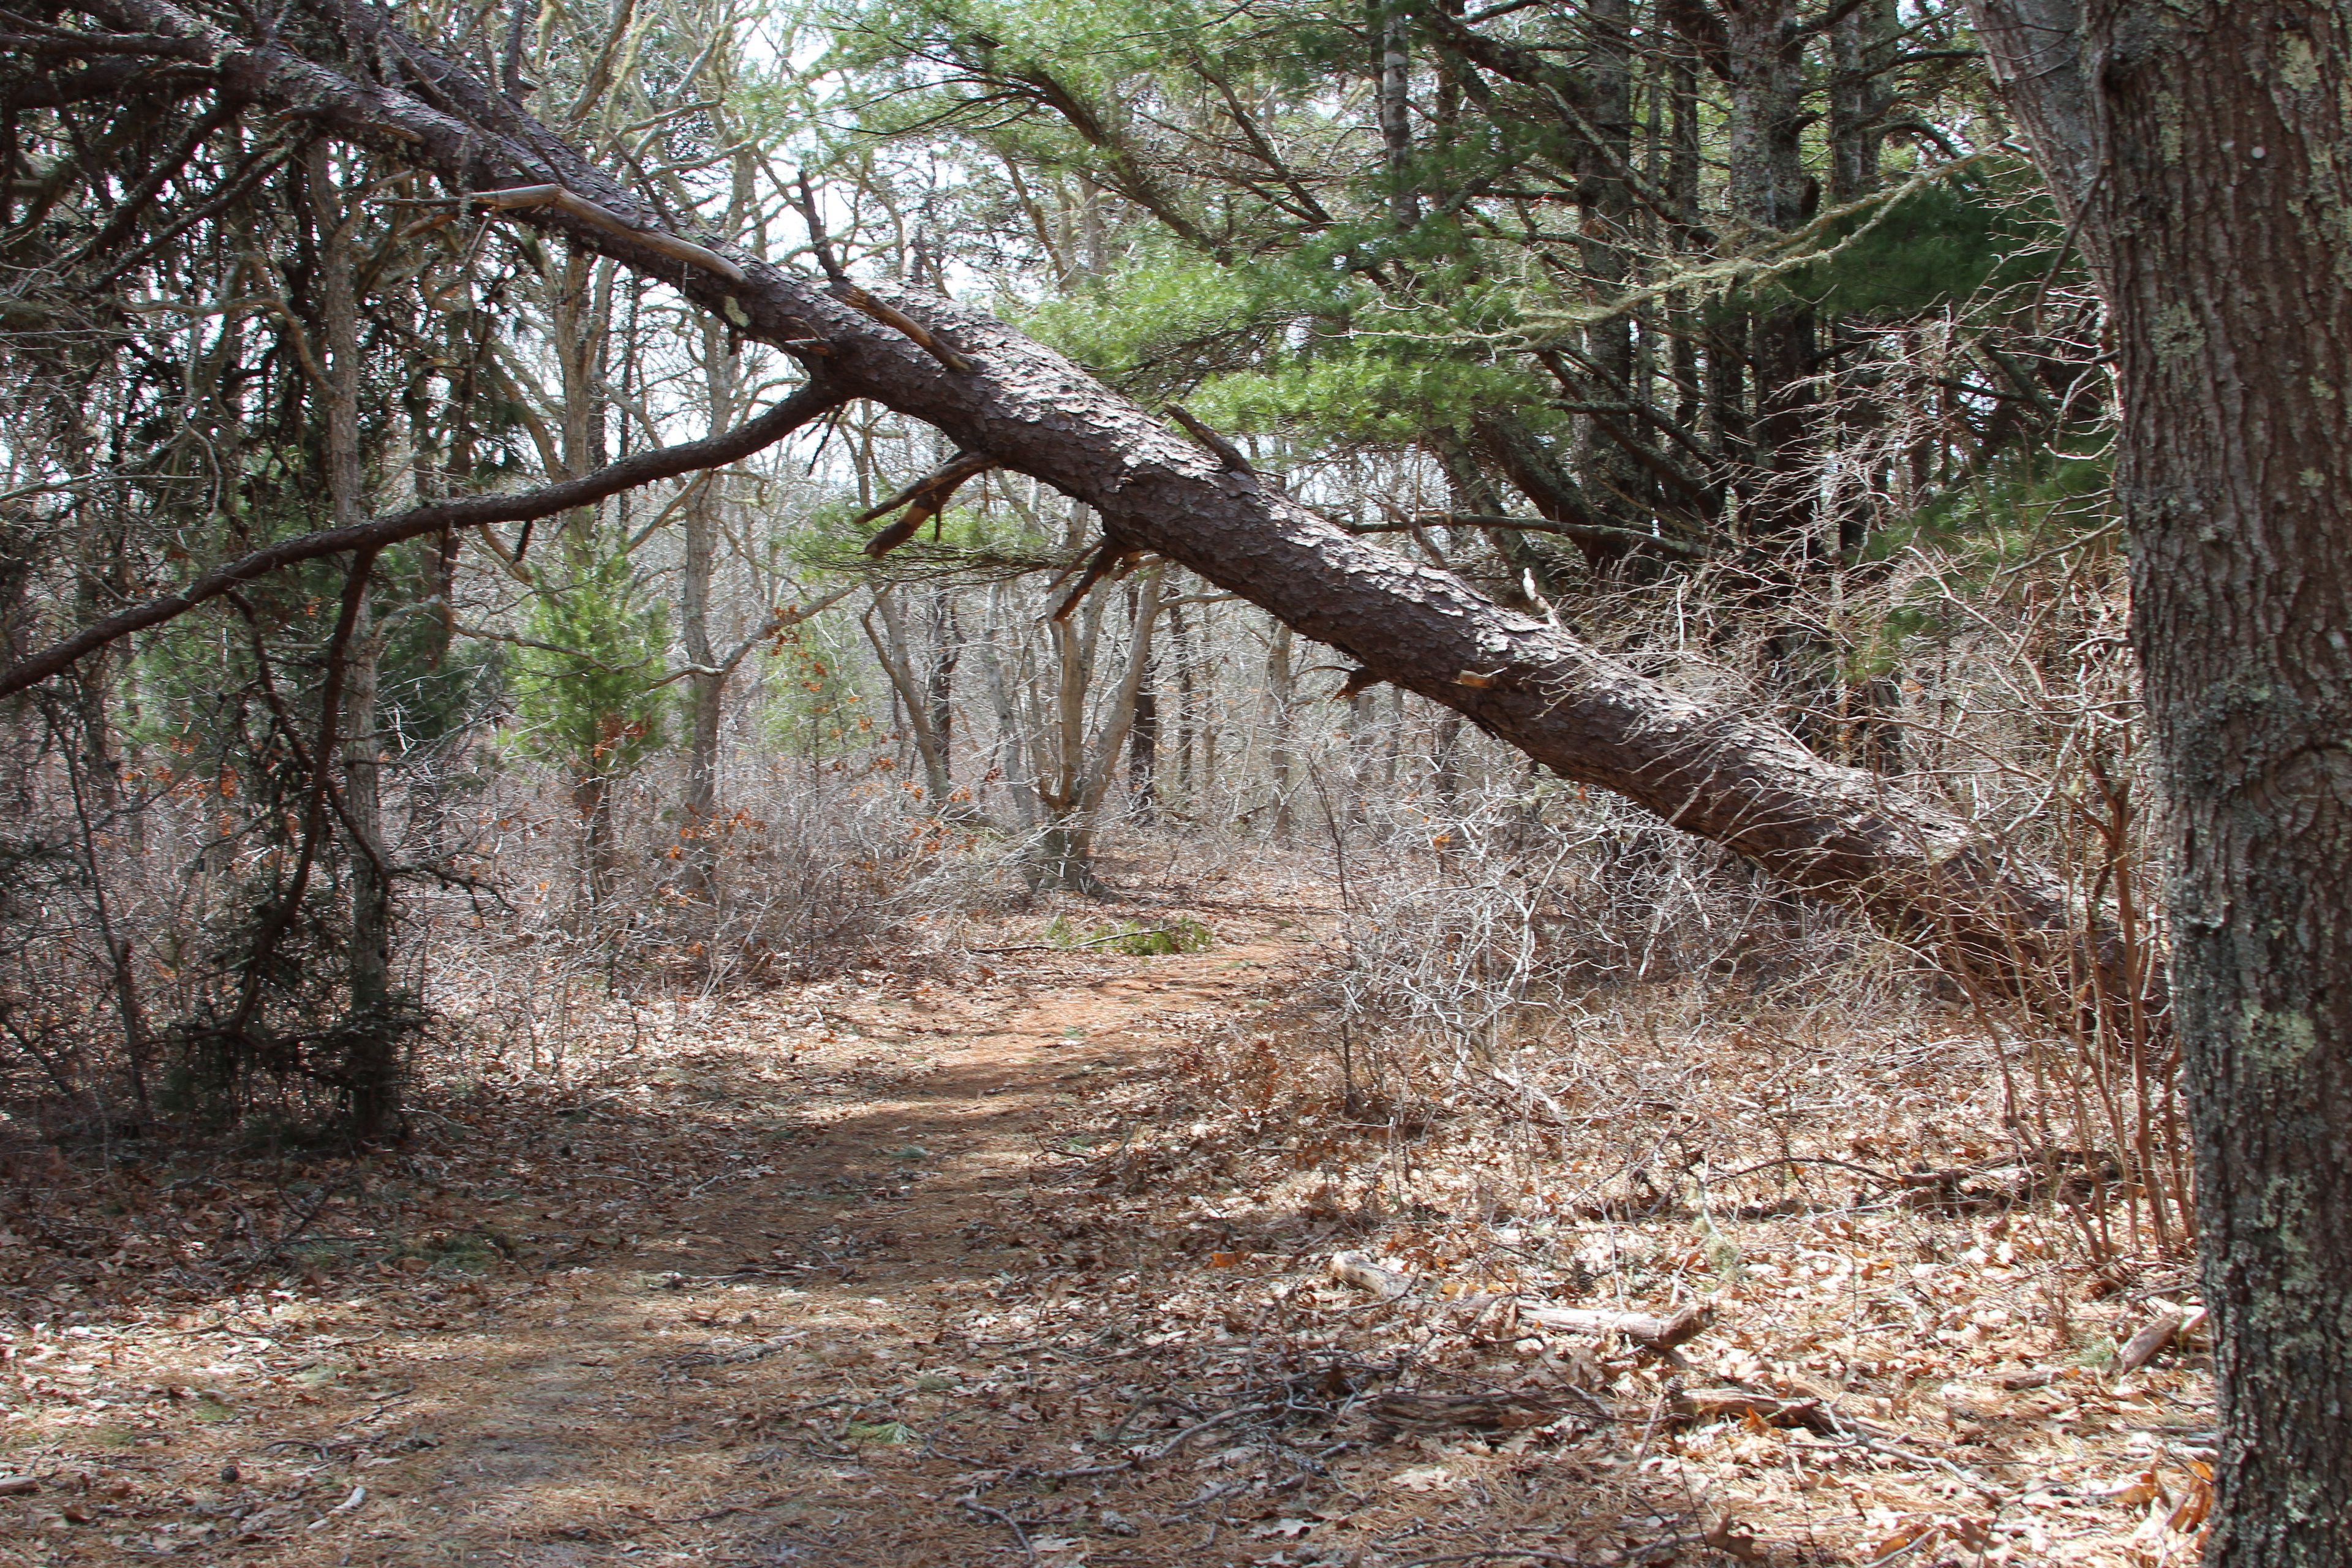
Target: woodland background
[(1748, 351), (1739, 339)]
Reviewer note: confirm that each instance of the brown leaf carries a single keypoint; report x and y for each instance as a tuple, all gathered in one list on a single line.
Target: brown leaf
[(1734, 1539)]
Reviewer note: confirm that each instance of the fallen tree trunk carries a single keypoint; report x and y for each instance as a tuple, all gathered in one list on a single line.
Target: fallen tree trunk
[(1642, 1328), (1834, 831)]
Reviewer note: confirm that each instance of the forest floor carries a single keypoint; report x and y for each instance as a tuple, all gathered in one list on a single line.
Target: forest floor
[(1035, 1264)]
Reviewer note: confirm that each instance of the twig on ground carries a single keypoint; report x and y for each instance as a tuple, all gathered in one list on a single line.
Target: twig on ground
[(975, 1507), (1529, 1553)]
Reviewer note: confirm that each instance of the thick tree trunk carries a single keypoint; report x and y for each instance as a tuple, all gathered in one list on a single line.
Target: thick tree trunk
[(1615, 480), (2201, 150), (1771, 194), (1835, 831)]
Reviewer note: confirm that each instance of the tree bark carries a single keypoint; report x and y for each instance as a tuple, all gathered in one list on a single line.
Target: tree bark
[(705, 681), (1834, 831), (2198, 149), (1391, 22), (1771, 194), (1605, 201), (938, 683), (897, 656), (1011, 732), (1143, 736), (371, 1061)]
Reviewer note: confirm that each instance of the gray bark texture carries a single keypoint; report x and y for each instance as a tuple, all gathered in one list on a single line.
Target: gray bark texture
[(2203, 152), (1834, 831)]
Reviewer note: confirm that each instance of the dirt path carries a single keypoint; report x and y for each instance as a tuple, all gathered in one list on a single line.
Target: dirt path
[(722, 1329), (1042, 1267)]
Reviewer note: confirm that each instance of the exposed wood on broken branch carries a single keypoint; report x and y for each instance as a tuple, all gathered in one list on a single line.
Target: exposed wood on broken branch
[(924, 499), (522, 197), (1113, 557)]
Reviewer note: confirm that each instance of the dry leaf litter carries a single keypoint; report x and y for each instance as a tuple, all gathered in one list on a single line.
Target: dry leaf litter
[(1068, 1258)]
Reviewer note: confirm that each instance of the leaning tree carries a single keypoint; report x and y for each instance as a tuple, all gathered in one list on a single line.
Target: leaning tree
[(1174, 488)]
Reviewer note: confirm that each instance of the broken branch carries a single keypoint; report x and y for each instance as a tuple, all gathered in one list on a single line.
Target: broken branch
[(1227, 453), (898, 321), (1642, 1328), (927, 498), (520, 198), (1112, 553)]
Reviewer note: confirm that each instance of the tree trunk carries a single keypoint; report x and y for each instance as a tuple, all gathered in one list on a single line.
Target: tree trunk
[(1617, 482), (1834, 831), (1279, 762), (706, 691), (1771, 194), (371, 1061), (1085, 764), (897, 656), (1863, 47), (1143, 737), (2199, 149), (1065, 850), (1446, 757), (1187, 708), (1011, 747), (1118, 721), (938, 687), (1391, 20)]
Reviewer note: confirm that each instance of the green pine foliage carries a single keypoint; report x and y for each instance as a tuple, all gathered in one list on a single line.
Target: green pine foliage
[(1935, 248), (584, 684)]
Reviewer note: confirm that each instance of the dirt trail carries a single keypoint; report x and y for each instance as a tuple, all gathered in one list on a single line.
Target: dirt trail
[(1041, 1267), (719, 1336)]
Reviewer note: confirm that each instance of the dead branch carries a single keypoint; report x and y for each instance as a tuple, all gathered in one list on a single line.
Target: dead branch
[(526, 196), (925, 500), (1642, 1328), (1227, 453), (645, 468)]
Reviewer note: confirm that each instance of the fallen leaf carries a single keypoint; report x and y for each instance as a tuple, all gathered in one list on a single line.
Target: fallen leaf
[(1423, 1478)]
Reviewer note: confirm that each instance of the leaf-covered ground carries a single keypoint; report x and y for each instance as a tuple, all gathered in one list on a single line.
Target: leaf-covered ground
[(1038, 1266)]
